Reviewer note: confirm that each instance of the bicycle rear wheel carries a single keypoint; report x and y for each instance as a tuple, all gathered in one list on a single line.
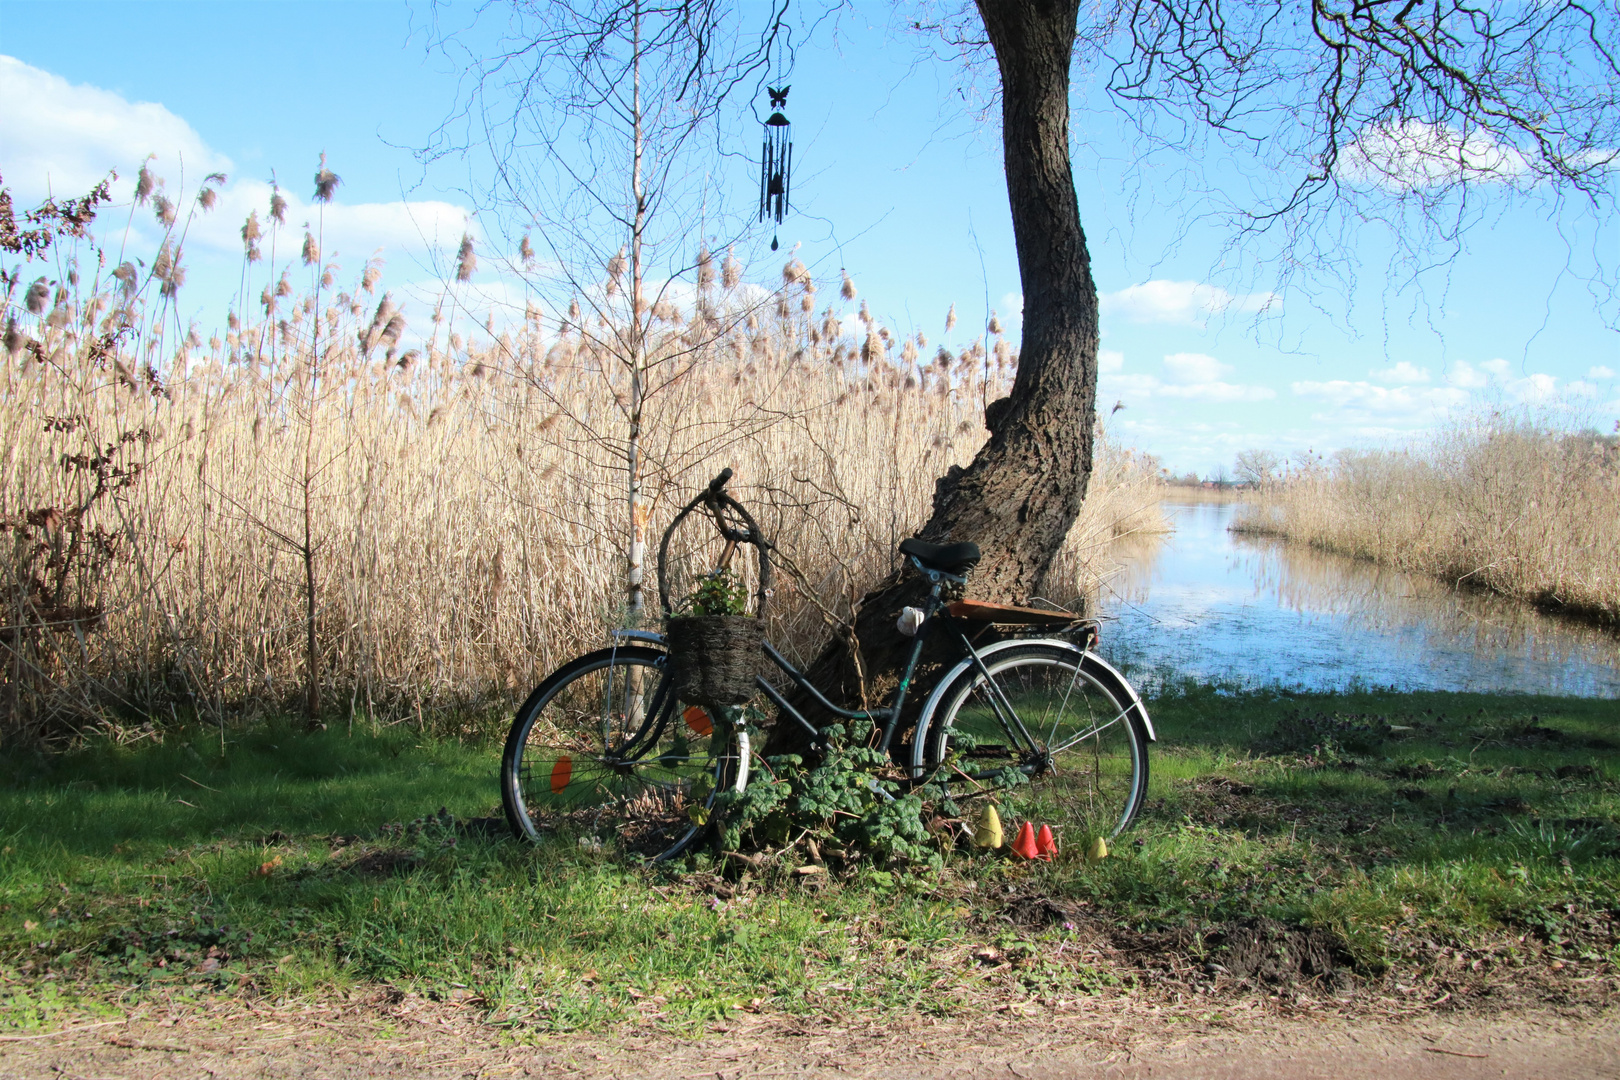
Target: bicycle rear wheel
[(602, 747), (1087, 754)]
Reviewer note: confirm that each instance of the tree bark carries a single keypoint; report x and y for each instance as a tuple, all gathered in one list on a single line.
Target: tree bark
[(1022, 492)]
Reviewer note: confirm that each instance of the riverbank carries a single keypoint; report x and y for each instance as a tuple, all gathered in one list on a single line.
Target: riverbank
[(1189, 493), (1504, 505), (1234, 608), (1345, 849)]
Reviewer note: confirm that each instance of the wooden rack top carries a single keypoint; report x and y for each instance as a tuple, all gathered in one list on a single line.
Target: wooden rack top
[(984, 611)]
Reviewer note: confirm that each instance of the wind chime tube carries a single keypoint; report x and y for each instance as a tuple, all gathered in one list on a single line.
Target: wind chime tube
[(764, 175), (787, 180), (776, 161)]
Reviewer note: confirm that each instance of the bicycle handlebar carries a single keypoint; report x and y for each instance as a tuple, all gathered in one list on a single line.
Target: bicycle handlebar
[(728, 515)]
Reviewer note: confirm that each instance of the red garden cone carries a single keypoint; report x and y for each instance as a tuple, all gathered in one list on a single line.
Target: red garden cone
[(1046, 843), (1025, 844)]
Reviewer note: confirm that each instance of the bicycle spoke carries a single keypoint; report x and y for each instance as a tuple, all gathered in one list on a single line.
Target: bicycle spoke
[(1090, 768), (603, 747), (1093, 733), (1061, 709)]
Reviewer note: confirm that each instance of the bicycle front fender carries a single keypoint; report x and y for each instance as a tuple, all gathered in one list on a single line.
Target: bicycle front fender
[(647, 636)]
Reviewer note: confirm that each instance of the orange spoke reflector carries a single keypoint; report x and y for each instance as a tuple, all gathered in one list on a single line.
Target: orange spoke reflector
[(561, 773), (697, 718)]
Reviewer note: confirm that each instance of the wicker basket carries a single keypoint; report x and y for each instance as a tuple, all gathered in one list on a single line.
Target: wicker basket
[(715, 657)]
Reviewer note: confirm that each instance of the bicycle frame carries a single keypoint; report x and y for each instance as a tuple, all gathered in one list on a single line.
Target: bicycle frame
[(888, 716)]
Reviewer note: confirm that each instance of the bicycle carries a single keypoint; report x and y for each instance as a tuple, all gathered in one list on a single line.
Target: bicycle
[(599, 739)]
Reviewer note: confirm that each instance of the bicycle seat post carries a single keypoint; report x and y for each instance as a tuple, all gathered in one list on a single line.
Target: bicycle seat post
[(938, 579)]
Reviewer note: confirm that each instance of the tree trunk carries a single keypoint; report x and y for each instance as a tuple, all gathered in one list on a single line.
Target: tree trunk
[(1021, 494), (638, 345)]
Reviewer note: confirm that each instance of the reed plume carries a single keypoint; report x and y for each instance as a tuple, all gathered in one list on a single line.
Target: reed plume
[(425, 472)]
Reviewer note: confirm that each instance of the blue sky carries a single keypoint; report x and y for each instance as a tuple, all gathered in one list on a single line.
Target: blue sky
[(896, 181)]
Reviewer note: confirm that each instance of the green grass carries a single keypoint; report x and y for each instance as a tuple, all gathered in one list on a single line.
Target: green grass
[(310, 865)]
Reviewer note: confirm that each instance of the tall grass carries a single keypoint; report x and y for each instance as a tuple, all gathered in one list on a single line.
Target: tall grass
[(1503, 503), (451, 513)]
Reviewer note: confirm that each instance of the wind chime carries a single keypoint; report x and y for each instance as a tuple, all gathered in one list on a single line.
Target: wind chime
[(776, 162)]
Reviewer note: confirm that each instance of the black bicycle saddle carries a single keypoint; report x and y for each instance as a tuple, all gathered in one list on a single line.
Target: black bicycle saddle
[(951, 558)]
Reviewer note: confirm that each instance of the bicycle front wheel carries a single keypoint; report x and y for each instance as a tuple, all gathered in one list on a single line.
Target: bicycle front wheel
[(602, 748), (1054, 714)]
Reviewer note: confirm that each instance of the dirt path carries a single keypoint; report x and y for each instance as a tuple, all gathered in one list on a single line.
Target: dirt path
[(1114, 1039)]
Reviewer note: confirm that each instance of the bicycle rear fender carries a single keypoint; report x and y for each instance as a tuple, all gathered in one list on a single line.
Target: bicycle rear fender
[(1119, 685)]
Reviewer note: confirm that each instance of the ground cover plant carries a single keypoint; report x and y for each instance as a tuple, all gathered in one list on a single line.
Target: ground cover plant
[(1439, 849)]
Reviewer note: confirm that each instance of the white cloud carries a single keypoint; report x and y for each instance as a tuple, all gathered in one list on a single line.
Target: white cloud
[(1218, 392), (423, 230), (1464, 375), (1109, 360), (1413, 154), (1533, 389), (1188, 376), (1536, 388), (1188, 303), (1012, 314), (1402, 374), (1194, 368), (1128, 387), (61, 139), (1600, 371), (1365, 400)]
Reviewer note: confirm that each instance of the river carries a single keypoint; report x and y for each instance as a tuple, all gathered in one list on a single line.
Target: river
[(1248, 611)]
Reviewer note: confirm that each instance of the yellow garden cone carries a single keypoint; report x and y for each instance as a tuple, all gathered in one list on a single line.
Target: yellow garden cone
[(1098, 851), (988, 834)]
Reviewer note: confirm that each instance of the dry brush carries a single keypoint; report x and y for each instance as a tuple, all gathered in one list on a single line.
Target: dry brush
[(1512, 504), (454, 508)]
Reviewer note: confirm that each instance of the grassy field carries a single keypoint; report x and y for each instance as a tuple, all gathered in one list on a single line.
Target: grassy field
[(1417, 844)]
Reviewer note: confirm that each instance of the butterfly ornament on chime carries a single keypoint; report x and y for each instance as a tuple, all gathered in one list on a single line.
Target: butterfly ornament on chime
[(776, 162)]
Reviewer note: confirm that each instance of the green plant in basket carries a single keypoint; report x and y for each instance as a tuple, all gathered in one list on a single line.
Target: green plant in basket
[(721, 593), (714, 644)]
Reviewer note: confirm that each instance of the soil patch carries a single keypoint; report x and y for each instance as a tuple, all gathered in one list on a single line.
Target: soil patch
[(1256, 950), (1115, 1038), (1272, 952)]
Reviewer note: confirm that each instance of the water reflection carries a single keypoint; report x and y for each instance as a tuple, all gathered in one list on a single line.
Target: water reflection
[(1212, 604)]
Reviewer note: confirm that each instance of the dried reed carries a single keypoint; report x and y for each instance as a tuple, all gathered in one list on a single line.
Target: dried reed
[(461, 504), (1508, 504)]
